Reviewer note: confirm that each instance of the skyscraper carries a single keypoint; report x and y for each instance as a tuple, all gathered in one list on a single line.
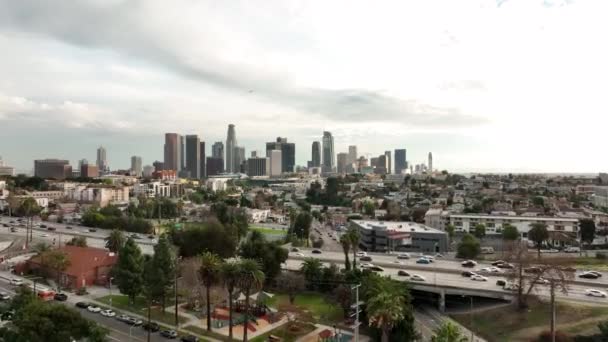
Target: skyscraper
[(316, 154), (288, 153), (136, 166), (400, 161), (430, 162), (214, 166), (239, 158), (102, 163), (275, 163), (172, 152), (52, 168), (182, 152), (193, 154), (389, 163), (257, 166), (202, 160), (342, 162), (231, 165), (217, 150), (329, 159), (352, 154)]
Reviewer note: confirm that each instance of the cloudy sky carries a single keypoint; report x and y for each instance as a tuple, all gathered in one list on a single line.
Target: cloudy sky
[(488, 85)]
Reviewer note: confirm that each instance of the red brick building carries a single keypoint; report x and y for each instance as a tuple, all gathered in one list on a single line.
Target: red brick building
[(88, 266)]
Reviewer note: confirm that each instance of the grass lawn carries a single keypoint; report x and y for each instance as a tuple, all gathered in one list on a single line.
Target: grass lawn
[(591, 263), (509, 324), (319, 308), (268, 231), (140, 307), (203, 332), (289, 332)]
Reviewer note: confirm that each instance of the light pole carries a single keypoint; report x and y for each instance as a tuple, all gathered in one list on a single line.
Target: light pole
[(356, 288), (111, 291), (177, 259)]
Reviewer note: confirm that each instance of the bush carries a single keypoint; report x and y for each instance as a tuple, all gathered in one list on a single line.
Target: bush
[(600, 256), (469, 247), (560, 336)]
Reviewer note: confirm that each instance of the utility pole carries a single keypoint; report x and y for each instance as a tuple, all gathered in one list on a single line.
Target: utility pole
[(356, 288), (552, 282)]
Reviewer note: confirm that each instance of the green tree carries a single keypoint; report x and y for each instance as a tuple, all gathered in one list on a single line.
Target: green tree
[(468, 248), (343, 295), (41, 247), (210, 276), (354, 237), (29, 208), (345, 242), (369, 208), (538, 201), (509, 232), (78, 241), (384, 311), (211, 237), (149, 285), (448, 332), (230, 274), (538, 234), (252, 278), (312, 269), (587, 230), (58, 261), (115, 240), (292, 284), (302, 225), (163, 269), (128, 270), (480, 231), (450, 230), (603, 327), (269, 253)]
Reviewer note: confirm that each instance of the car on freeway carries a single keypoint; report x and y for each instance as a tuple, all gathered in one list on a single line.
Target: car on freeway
[(468, 263), (295, 249), (572, 250), (428, 257), (403, 256), (361, 254), (16, 282), (123, 318), (43, 226), (423, 261), (541, 281), (498, 262), (398, 262), (365, 258), (532, 270), (478, 277), (169, 334), (62, 297), (403, 273), (438, 255), (594, 272), (52, 229), (44, 235), (135, 321), (299, 254), (501, 282), (366, 265), (94, 309), (595, 293), (135, 236), (468, 274), (4, 296), (490, 269), (92, 230), (189, 338), (108, 313), (68, 227), (588, 275), (506, 265), (316, 251), (151, 237), (5, 225), (376, 269), (82, 305), (152, 326), (417, 277), (13, 229)]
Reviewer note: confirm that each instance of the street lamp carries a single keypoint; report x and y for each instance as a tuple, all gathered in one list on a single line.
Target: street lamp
[(111, 291)]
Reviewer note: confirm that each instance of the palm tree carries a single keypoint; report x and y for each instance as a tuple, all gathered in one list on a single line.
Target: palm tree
[(385, 310), (345, 242), (41, 247), (448, 332), (312, 269), (115, 240), (210, 272), (354, 237), (29, 208), (59, 262), (251, 278), (231, 273)]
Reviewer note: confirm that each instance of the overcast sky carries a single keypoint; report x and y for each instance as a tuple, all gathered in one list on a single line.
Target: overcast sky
[(488, 85)]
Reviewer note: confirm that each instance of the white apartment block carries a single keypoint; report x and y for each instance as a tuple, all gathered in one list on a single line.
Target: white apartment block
[(257, 215), (101, 196), (152, 190), (600, 197), (494, 223), (217, 184)]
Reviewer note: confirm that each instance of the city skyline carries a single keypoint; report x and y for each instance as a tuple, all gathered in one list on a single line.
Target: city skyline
[(465, 94)]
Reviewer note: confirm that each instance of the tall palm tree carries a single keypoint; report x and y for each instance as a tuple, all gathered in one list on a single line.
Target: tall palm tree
[(385, 310), (59, 262), (29, 208), (115, 240), (231, 274), (251, 278), (210, 272), (354, 237), (345, 242), (312, 269), (448, 332)]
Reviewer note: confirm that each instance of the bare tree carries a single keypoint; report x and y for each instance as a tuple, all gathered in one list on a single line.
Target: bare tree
[(191, 283), (291, 283)]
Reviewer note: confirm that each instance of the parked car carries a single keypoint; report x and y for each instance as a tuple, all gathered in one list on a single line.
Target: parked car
[(82, 305), (316, 251), (595, 293), (438, 255), (4, 296), (417, 277), (94, 309), (52, 229), (124, 318), (169, 334), (588, 275), (361, 254), (16, 281), (478, 277), (135, 236), (108, 313), (365, 258), (467, 274), (403, 256), (376, 269), (135, 321), (423, 261), (468, 263), (189, 338), (62, 297), (152, 326), (403, 273)]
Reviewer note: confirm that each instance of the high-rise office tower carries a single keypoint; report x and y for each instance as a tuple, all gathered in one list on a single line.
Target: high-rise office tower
[(193, 155), (400, 161), (202, 160), (52, 168), (148, 171), (352, 154), (231, 165), (217, 150), (239, 159), (172, 149), (276, 165), (430, 162), (214, 166), (257, 166), (136, 166), (288, 153), (342, 162), (381, 165), (389, 163), (316, 154), (102, 162), (83, 161), (182, 152), (329, 159), (89, 171)]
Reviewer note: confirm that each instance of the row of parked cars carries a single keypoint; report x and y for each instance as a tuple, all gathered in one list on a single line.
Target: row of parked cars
[(149, 326)]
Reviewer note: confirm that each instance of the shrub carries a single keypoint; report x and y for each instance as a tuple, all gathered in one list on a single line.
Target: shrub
[(560, 336), (600, 255)]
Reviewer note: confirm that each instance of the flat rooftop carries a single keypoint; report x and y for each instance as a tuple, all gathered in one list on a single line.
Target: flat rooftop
[(404, 227)]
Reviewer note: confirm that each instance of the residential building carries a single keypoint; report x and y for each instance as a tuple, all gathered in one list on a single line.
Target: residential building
[(231, 163), (165, 175), (379, 236), (102, 195), (215, 166), (52, 168), (152, 189), (6, 170), (600, 197), (275, 163), (172, 152), (89, 171), (342, 162), (288, 153), (329, 159), (258, 167), (316, 154), (389, 163), (148, 171), (352, 154), (136, 166), (217, 183), (400, 161), (193, 155), (102, 161)]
